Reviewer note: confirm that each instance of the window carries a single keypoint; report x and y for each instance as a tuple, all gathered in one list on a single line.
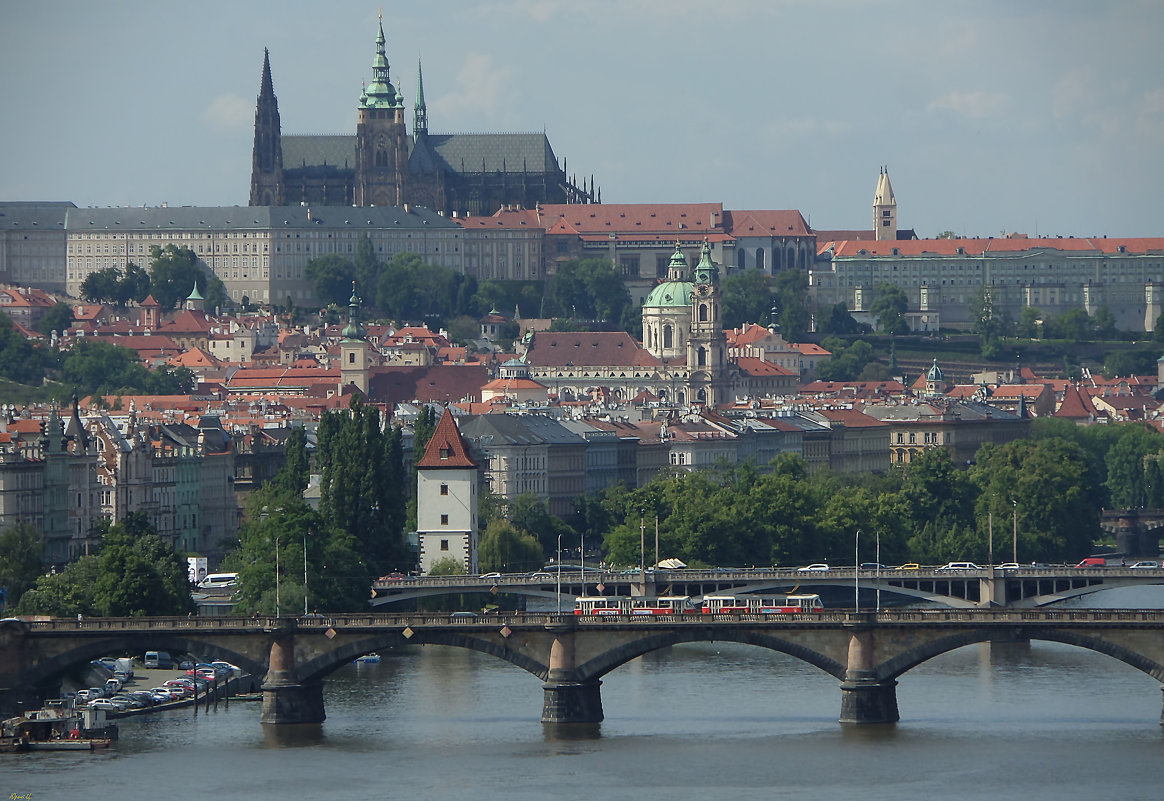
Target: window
[(444, 545), (444, 520), (444, 453), (444, 489)]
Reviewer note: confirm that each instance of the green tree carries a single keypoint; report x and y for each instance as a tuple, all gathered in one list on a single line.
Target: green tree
[(102, 286), (748, 297), (888, 308), (140, 574), (792, 300), (837, 320), (97, 367), (504, 549), (1072, 325), (1029, 322), (847, 361), (20, 360), (59, 318), (21, 546), (293, 476), (362, 484), (1126, 459), (1129, 362), (588, 289), (984, 322), (66, 593), (448, 566), (174, 271), (332, 278)]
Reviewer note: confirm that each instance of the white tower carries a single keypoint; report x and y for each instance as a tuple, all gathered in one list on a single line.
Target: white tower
[(446, 499)]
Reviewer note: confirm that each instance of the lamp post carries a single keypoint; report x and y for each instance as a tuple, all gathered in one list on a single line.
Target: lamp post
[(305, 573), (277, 609), (857, 571), (559, 567), (1014, 553)]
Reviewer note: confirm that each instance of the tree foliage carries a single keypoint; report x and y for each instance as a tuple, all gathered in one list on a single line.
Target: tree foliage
[(590, 289), (888, 308), (97, 367), (20, 360), (748, 297), (847, 363), (140, 574), (21, 546), (175, 270), (504, 549)]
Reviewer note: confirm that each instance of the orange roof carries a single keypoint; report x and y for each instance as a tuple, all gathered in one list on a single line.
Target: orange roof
[(655, 218), (759, 367), (446, 448)]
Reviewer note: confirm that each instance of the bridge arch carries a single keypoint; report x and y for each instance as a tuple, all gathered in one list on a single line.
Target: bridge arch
[(325, 664), (599, 666), (51, 669), (907, 660)]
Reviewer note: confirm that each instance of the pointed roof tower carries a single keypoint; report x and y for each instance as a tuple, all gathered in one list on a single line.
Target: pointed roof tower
[(884, 209), (706, 272), (420, 112), (380, 93), (267, 86), (446, 448), (353, 330)]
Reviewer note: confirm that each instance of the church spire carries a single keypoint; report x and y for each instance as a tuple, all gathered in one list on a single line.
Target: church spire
[(380, 92), (267, 155), (353, 330), (420, 112), (267, 87)]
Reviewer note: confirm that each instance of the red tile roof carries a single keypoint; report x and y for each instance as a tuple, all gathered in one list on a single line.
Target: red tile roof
[(604, 349), (446, 448)]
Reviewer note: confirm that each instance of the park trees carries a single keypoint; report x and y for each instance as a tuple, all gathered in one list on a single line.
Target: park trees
[(96, 367), (506, 550), (589, 289), (748, 297)]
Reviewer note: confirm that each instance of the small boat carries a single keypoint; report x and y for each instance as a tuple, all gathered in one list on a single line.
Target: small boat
[(70, 744), (369, 659)]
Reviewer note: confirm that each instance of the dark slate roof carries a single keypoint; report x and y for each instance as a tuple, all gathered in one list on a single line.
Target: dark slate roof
[(500, 428), (466, 153), (48, 215), (459, 153), (256, 218), (310, 151), (551, 430)]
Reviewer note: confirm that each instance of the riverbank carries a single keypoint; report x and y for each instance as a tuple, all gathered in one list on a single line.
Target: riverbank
[(221, 691)]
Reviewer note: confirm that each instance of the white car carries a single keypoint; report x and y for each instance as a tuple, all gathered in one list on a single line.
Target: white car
[(959, 566), (1008, 566), (820, 567), (1149, 565)]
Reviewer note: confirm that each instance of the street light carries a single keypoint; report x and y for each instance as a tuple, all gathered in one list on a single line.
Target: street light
[(857, 571), (1014, 553), (305, 572), (559, 566)]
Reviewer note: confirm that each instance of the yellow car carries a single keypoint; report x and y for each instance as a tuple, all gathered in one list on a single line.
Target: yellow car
[(910, 566)]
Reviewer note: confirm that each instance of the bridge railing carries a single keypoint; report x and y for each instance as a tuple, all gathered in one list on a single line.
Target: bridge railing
[(481, 621)]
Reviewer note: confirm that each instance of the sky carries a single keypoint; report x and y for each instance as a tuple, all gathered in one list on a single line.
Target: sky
[(1043, 117)]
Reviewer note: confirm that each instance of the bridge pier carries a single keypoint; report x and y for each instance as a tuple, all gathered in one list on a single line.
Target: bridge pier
[(865, 698), (568, 697), (285, 699)]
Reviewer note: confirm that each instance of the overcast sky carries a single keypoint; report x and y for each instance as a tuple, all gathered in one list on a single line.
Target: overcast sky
[(1037, 117)]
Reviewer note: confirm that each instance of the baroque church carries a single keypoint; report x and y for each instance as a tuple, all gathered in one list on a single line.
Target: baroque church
[(383, 165)]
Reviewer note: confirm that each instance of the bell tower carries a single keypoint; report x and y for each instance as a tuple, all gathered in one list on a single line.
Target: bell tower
[(884, 209), (355, 353), (381, 138), (706, 345)]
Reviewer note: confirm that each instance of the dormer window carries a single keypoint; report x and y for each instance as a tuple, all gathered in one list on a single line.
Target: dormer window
[(444, 453)]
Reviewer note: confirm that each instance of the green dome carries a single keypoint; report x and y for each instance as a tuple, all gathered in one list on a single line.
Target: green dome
[(669, 294)]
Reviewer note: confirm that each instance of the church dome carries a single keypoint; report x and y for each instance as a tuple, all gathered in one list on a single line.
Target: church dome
[(669, 294)]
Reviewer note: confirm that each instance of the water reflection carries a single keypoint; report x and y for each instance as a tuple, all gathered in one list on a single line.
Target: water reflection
[(297, 735)]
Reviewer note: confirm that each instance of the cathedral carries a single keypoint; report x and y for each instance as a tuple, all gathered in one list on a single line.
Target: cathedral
[(383, 165)]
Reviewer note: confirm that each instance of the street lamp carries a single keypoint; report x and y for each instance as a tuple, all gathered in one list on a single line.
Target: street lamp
[(305, 572), (857, 571), (1014, 553), (559, 566)]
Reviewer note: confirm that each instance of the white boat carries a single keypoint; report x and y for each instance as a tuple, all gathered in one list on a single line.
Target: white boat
[(369, 659)]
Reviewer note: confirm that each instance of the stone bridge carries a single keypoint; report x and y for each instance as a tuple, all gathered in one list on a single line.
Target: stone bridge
[(866, 652)]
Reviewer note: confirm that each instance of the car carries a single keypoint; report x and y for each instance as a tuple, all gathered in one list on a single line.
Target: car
[(1008, 566), (872, 566), (909, 566), (819, 567), (541, 576), (1145, 565), (490, 575), (959, 566), (466, 616), (394, 576), (103, 703)]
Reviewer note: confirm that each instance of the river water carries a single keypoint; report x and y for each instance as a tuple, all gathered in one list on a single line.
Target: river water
[(699, 721)]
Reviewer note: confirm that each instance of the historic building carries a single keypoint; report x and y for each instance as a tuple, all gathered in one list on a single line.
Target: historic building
[(446, 499), (384, 165)]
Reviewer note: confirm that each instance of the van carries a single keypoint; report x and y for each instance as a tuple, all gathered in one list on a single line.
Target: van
[(1093, 561), (158, 659), (215, 581)]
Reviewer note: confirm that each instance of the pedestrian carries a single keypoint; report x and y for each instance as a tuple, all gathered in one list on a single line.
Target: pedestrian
[(79, 619)]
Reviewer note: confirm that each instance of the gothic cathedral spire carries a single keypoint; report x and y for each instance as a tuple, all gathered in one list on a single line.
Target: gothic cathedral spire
[(267, 156), (420, 112), (381, 137)]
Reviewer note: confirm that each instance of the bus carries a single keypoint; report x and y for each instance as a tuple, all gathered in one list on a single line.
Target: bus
[(760, 604)]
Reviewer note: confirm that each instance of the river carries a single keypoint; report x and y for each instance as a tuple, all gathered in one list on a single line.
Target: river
[(700, 721)]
